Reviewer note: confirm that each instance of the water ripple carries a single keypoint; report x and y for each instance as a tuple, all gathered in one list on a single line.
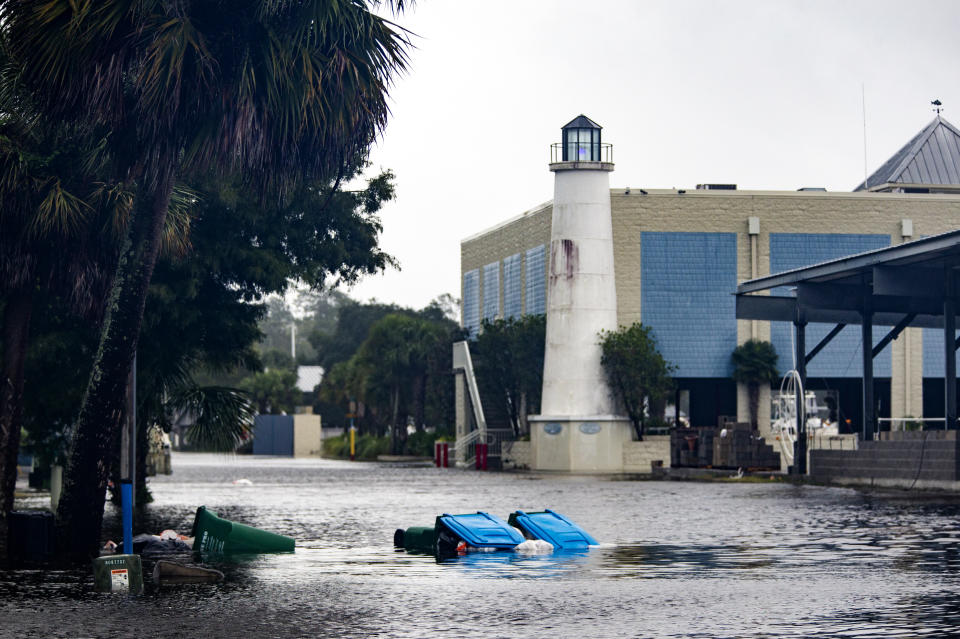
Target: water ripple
[(677, 560)]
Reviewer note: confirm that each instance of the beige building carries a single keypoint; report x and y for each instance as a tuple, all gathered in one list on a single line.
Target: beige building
[(680, 253)]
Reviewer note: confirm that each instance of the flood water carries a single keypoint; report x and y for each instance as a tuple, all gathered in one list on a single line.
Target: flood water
[(678, 559)]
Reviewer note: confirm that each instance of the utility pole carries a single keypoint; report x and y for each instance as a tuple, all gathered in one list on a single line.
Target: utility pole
[(293, 341)]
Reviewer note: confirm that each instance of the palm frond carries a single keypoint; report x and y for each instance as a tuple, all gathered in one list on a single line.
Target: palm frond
[(60, 211), (224, 416), (176, 230)]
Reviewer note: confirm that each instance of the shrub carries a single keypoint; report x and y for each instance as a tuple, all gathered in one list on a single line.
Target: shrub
[(421, 444), (369, 446), (338, 446)]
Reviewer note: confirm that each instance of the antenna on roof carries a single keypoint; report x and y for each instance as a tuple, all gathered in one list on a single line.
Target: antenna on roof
[(863, 98), (937, 106)]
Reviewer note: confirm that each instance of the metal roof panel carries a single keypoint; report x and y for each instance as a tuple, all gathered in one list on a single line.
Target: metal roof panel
[(930, 157), (581, 122)]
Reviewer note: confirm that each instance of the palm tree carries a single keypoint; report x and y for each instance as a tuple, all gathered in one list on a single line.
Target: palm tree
[(275, 89), (754, 363), (60, 231), (51, 239)]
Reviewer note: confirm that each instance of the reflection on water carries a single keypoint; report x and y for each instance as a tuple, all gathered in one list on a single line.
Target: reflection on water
[(511, 565), (676, 560)]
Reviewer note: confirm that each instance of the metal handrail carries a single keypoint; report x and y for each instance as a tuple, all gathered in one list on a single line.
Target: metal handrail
[(899, 423), (463, 360), (462, 447), (603, 151), (496, 437)]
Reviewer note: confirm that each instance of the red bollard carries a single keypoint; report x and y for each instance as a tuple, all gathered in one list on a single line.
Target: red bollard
[(481, 452), (441, 454)]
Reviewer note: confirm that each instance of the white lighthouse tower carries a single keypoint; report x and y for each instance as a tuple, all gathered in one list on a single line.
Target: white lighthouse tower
[(578, 429)]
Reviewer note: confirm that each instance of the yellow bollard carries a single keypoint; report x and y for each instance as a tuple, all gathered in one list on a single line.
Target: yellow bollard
[(353, 442)]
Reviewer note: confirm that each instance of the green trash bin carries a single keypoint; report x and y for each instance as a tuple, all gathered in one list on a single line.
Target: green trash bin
[(419, 539), (215, 535)]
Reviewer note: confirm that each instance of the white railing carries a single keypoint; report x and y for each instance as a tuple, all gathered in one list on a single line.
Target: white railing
[(463, 361), (465, 450), (914, 423), (466, 445)]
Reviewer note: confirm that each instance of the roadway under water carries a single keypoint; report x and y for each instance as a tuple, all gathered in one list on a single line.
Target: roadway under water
[(677, 560)]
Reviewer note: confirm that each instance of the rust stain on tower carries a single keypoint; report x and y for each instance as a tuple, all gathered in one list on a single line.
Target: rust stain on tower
[(564, 259)]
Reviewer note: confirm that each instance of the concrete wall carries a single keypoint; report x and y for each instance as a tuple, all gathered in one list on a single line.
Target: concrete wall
[(516, 235), (923, 460), (638, 456), (516, 455), (307, 436)]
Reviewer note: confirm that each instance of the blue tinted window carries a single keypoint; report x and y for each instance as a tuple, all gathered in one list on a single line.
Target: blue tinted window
[(686, 298), (536, 281), (512, 286), (841, 357), (491, 291), (471, 301)]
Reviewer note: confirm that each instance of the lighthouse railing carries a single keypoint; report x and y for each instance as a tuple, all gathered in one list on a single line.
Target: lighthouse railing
[(595, 152)]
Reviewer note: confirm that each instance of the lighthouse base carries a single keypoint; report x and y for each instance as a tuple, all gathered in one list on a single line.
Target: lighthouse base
[(579, 443)]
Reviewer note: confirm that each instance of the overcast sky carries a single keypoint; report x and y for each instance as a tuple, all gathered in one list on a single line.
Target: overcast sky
[(765, 94)]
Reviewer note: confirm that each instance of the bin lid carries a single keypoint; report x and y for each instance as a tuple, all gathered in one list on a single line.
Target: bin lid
[(553, 527), (482, 530)]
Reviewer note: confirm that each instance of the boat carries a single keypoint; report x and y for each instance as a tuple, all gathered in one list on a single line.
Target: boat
[(819, 417)]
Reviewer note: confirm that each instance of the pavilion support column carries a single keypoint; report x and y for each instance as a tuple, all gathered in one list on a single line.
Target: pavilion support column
[(800, 446), (866, 348), (950, 353)]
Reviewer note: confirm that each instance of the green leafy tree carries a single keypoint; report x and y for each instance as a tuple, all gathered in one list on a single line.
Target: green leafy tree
[(341, 392), (399, 373), (637, 373), (354, 321), (276, 89), (754, 363), (273, 391), (508, 356), (306, 312), (389, 356)]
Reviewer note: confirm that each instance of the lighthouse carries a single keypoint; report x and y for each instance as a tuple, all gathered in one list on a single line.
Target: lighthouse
[(578, 428)]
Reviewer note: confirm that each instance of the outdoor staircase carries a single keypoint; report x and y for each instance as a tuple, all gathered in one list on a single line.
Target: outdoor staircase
[(491, 419)]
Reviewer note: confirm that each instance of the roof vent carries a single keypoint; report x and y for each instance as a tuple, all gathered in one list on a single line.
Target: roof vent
[(716, 187), (811, 188)]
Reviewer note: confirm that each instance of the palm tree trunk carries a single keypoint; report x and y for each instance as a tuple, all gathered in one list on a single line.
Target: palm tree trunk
[(394, 417), (753, 396), (16, 327), (420, 401), (80, 514)]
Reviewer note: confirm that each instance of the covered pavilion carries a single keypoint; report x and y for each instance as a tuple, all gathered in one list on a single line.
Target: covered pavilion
[(910, 284)]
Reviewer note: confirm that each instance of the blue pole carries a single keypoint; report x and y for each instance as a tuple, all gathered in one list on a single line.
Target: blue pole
[(126, 499), (128, 458)]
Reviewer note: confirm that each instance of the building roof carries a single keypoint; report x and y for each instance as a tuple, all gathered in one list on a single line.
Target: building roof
[(581, 122), (931, 157), (904, 283), (308, 377)]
